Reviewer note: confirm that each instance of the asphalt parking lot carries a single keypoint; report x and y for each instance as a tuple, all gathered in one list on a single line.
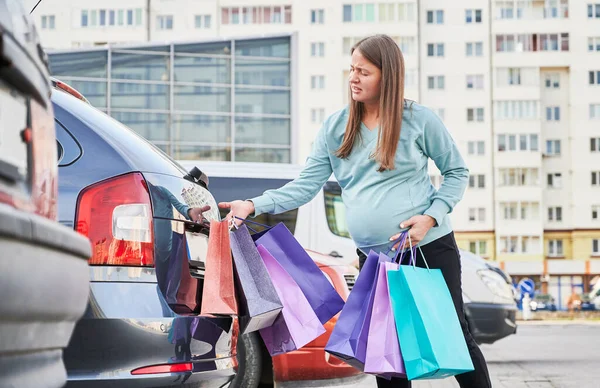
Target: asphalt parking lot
[(556, 355)]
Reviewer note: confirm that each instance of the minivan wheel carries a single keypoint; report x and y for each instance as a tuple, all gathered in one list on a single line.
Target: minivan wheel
[(249, 362)]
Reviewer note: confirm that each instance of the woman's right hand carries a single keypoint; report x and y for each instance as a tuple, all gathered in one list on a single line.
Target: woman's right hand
[(241, 209)]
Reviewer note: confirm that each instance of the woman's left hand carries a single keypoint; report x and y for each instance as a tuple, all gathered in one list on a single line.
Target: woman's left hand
[(419, 226)]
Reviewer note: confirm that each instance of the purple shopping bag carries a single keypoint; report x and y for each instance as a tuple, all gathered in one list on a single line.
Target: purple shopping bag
[(383, 348), (321, 295), (259, 304), (349, 338), (297, 324)]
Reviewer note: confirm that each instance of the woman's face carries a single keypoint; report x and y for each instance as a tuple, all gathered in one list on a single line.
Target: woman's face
[(365, 79)]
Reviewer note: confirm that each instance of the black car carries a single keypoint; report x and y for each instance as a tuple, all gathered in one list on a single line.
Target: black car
[(140, 209), (43, 268)]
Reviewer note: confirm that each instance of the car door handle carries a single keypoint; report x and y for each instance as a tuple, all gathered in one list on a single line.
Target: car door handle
[(335, 254)]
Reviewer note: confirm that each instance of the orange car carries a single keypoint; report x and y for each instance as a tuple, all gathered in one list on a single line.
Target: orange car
[(312, 362)]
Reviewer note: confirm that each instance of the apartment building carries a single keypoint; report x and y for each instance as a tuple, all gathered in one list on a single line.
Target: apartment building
[(516, 82)]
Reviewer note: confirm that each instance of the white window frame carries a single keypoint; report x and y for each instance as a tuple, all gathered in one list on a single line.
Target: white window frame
[(555, 214), (595, 144), (477, 214), (593, 43), (478, 247), (595, 212), (475, 81), (552, 145), (474, 49), (435, 16), (471, 16), (317, 82), (553, 113), (317, 16), (594, 111), (552, 81), (437, 49), (317, 115), (475, 115), (477, 181), (594, 77), (595, 181), (317, 49), (438, 82), (162, 22), (556, 248), (596, 247), (476, 148), (554, 180)]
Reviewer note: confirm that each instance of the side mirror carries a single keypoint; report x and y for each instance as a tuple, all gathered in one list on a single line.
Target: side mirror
[(197, 176)]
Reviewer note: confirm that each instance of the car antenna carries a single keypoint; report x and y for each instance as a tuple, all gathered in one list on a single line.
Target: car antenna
[(38, 3)]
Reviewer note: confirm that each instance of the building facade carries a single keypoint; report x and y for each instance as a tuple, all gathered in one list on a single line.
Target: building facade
[(516, 82)]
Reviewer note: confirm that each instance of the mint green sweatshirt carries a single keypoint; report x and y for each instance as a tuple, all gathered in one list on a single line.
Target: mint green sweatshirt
[(377, 202)]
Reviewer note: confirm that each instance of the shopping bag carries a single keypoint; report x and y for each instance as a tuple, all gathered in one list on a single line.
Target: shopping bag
[(432, 341), (297, 325), (350, 331), (321, 295), (218, 294), (259, 303), (383, 349)]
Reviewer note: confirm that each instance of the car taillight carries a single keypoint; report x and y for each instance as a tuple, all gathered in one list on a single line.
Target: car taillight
[(116, 215), (165, 368)]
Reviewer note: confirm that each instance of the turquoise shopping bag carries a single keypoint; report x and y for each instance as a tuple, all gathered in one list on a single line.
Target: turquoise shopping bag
[(432, 342)]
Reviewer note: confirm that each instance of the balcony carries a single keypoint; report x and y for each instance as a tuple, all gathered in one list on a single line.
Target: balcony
[(531, 10)]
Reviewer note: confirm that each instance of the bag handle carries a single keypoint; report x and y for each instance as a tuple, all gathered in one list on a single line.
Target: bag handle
[(413, 251), (246, 221)]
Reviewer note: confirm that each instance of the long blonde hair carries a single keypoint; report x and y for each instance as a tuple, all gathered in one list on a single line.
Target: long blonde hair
[(383, 52)]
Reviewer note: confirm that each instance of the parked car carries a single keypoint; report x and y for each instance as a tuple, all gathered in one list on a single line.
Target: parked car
[(543, 302), (43, 265), (84, 132), (320, 225), (143, 215)]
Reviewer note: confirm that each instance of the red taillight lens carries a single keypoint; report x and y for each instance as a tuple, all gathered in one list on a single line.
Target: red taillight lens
[(116, 215), (166, 368)]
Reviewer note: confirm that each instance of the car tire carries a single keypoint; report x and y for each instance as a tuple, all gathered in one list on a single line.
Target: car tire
[(249, 357)]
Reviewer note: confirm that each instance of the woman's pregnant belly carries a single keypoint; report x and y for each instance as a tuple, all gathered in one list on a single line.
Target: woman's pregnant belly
[(373, 216)]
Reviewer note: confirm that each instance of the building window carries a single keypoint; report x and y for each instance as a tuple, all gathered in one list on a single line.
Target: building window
[(257, 15), (476, 148), (553, 113), (477, 181), (595, 144), (594, 77), (553, 147), (436, 82), (317, 49), (475, 81), (435, 49), (552, 81), (555, 248), (532, 42), (595, 212), (478, 247), (129, 17), (138, 16), (435, 17), (519, 177), (164, 22), (509, 244), (475, 114), (317, 82), (317, 16), (477, 214), (596, 247), (596, 178), (474, 49), (49, 22), (84, 18), (594, 43), (359, 13), (111, 17), (594, 111), (102, 21), (516, 110), (473, 16), (554, 180), (555, 213), (526, 142), (203, 21), (520, 244), (509, 210), (317, 115), (593, 11)]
